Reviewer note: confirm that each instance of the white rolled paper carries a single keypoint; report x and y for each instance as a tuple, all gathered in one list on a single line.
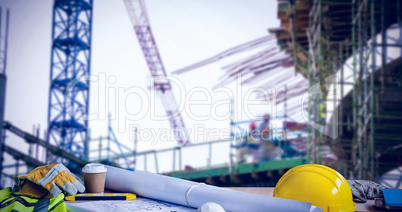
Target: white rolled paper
[(188, 193)]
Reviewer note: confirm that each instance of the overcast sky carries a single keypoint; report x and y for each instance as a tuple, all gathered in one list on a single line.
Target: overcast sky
[(185, 32)]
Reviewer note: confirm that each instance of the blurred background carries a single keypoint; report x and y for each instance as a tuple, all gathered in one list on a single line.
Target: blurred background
[(231, 93)]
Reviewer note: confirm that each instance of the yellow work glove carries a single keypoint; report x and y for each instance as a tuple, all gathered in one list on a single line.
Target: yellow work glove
[(55, 178)]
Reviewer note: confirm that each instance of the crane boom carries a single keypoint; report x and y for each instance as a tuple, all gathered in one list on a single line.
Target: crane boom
[(163, 88)]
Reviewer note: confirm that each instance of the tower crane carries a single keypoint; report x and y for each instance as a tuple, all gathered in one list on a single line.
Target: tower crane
[(163, 88)]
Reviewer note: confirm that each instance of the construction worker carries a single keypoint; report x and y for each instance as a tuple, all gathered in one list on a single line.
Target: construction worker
[(322, 112), (250, 144), (267, 147)]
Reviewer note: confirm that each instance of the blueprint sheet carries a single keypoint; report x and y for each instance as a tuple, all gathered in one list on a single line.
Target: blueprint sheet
[(139, 204)]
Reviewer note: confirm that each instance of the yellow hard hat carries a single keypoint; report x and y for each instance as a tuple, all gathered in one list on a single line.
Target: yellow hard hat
[(318, 184)]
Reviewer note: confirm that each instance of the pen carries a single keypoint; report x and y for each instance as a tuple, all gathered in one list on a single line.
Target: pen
[(102, 196)]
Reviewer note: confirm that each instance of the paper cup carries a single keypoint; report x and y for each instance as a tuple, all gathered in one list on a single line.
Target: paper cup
[(94, 177)]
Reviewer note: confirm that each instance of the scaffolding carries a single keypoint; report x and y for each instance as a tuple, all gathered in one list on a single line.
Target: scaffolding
[(346, 55), (290, 138), (107, 154), (350, 52), (3, 78)]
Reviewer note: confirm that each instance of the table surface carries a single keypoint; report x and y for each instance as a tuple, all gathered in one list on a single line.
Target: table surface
[(268, 191)]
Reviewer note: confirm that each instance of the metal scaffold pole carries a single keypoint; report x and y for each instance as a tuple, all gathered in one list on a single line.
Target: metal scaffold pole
[(372, 90), (354, 106), (3, 83), (232, 135)]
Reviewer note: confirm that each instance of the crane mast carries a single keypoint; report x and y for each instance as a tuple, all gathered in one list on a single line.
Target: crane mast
[(163, 88)]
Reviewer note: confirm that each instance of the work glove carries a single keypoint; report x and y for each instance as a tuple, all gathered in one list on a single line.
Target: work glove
[(363, 190), (55, 178)]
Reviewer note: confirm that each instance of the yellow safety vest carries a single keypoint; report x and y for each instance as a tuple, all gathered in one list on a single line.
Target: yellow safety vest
[(322, 111), (12, 201)]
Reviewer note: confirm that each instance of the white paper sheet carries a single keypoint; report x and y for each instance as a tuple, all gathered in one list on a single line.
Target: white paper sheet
[(139, 204), (174, 190)]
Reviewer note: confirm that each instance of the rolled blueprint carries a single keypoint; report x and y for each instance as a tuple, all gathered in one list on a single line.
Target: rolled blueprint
[(192, 194)]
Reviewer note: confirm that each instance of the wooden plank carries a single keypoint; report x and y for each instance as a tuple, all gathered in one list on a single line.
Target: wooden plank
[(302, 6), (302, 56)]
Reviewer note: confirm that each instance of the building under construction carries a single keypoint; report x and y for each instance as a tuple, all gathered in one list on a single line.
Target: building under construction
[(350, 53), (339, 62)]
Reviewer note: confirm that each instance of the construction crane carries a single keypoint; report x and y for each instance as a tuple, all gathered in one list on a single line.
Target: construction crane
[(163, 88), (69, 76)]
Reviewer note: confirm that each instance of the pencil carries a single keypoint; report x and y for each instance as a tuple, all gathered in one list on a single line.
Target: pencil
[(102, 196)]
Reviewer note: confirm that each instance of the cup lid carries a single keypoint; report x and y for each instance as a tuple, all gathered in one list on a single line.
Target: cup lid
[(94, 168)]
